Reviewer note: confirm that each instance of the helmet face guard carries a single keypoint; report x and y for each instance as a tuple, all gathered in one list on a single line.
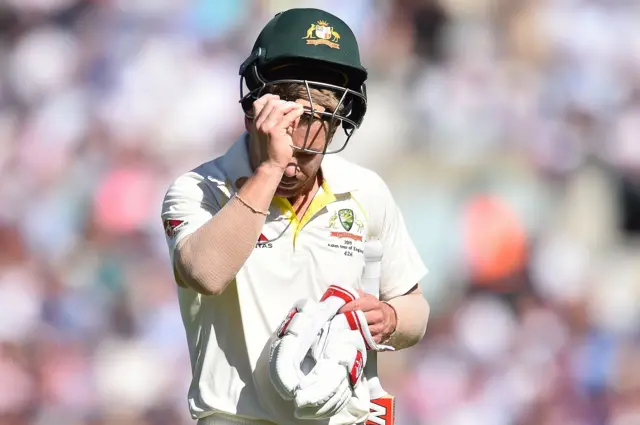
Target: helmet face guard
[(348, 113)]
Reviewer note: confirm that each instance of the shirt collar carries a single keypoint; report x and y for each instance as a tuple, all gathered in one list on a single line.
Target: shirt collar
[(235, 161), (333, 172)]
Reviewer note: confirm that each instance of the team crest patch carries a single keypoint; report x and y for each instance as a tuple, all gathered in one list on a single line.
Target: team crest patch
[(322, 33), (346, 219)]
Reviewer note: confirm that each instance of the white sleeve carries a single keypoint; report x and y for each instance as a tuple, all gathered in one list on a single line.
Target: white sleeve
[(188, 204), (402, 267)]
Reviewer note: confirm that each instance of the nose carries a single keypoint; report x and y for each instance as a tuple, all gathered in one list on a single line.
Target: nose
[(291, 170)]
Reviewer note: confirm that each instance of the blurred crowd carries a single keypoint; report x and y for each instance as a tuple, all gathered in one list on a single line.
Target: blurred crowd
[(508, 130)]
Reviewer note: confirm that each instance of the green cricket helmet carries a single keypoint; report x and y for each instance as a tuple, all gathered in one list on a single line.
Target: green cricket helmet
[(318, 50)]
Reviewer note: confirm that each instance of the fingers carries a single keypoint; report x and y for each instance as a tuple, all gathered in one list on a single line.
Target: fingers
[(280, 117), (350, 306), (277, 114), (377, 332), (374, 317), (266, 109), (366, 303), (353, 305), (259, 104), (290, 118)]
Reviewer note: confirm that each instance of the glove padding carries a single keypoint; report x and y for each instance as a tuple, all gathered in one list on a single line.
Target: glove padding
[(297, 334), (339, 356), (342, 396), (319, 357)]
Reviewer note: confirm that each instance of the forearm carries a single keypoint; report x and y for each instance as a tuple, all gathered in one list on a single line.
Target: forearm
[(412, 315), (209, 259)]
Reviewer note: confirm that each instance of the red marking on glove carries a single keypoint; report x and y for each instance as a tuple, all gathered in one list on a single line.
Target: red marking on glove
[(287, 321), (354, 324), (356, 369), (336, 291)]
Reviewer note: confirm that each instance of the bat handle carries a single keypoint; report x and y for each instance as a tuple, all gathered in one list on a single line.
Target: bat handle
[(372, 267), (371, 284)]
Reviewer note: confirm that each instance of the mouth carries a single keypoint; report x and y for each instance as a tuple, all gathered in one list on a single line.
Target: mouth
[(288, 184)]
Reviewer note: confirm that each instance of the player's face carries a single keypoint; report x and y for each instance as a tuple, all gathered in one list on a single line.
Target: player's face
[(300, 175)]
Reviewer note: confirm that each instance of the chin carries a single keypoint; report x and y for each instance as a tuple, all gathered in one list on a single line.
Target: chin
[(287, 192)]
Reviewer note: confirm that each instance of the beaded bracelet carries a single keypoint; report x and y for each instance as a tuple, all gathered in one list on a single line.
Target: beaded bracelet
[(246, 204)]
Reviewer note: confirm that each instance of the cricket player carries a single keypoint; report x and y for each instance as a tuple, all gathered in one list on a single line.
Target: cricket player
[(279, 218)]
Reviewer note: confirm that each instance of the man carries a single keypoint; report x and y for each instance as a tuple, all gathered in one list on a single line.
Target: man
[(278, 219)]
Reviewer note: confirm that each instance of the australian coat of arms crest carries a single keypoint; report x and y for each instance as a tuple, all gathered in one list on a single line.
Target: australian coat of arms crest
[(322, 33), (347, 219)]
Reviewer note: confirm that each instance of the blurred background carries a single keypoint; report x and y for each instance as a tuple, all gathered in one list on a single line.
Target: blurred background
[(508, 130)]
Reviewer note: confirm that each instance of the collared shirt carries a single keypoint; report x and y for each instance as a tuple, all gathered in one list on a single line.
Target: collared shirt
[(295, 258)]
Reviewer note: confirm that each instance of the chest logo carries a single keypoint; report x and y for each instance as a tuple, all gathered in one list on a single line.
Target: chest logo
[(346, 219)]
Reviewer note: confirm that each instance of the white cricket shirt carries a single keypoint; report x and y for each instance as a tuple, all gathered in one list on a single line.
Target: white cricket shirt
[(298, 258)]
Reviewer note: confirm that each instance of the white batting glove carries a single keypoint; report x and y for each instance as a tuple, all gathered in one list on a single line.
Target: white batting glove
[(333, 387), (297, 334), (340, 355)]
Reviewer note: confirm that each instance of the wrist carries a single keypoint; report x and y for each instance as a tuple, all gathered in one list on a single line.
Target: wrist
[(393, 320), (269, 173), (270, 169), (257, 190)]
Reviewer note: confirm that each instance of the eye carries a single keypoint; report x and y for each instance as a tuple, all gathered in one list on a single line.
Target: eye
[(320, 118), (305, 156)]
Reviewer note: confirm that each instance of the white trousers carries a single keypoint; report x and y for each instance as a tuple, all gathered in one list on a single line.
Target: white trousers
[(222, 419)]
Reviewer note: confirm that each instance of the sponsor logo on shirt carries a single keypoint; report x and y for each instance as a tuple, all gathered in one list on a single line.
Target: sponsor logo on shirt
[(263, 242), (171, 227)]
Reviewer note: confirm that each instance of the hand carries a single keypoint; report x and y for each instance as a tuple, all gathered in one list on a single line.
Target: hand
[(273, 124), (381, 317)]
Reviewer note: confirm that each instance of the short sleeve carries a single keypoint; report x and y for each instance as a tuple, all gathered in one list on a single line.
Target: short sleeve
[(402, 267), (188, 204)]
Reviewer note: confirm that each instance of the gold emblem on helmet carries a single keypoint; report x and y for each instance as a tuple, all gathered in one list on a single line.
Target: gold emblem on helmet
[(322, 33)]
